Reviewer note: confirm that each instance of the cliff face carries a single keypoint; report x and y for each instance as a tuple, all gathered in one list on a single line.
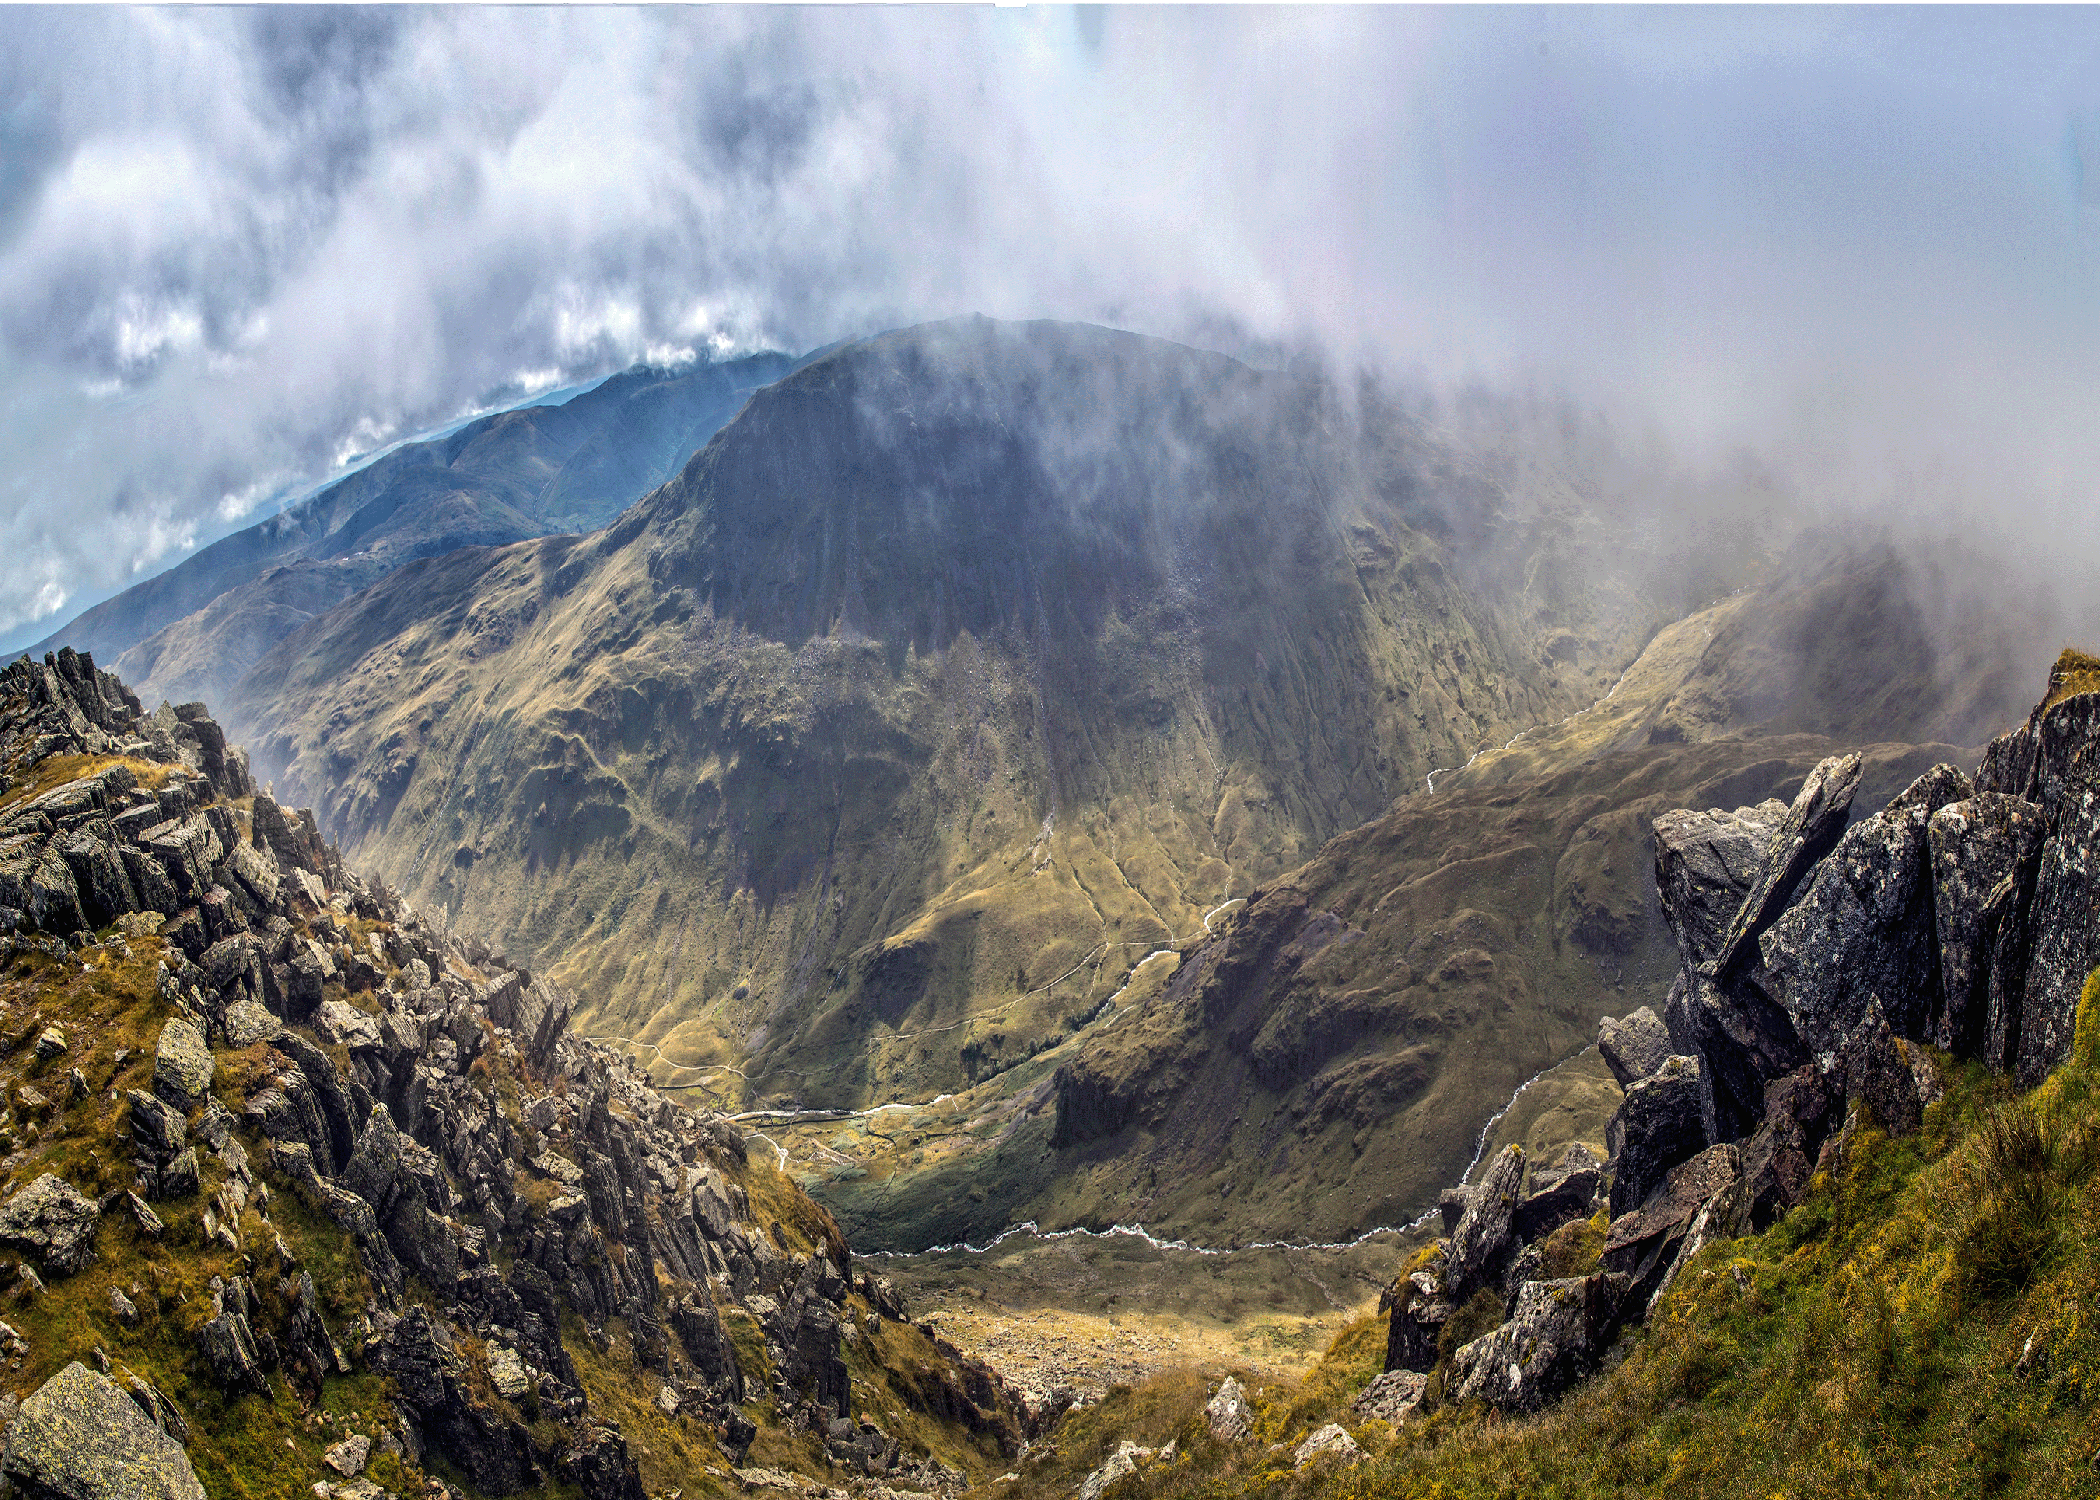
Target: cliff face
[(313, 1191), (965, 668)]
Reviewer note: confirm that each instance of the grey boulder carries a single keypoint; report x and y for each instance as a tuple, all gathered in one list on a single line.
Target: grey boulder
[(182, 1065), (1483, 1239), (79, 1437), (1633, 1046), (51, 1221)]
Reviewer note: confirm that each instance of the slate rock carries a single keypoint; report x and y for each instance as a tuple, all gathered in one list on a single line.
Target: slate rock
[(1863, 925), (345, 1024), (1559, 1193), (1556, 1336), (1705, 864), (1811, 828), (182, 1064), (1743, 1040), (597, 1463), (227, 1342), (99, 876), (1974, 845), (1633, 1046), (507, 1373), (52, 1222), (1482, 1240), (1661, 1123), (1228, 1414), (246, 1022), (1120, 1465), (1878, 1073), (348, 1457), (1451, 1206), (1643, 1244), (79, 1437), (180, 1177), (1419, 1311), (1801, 1109)]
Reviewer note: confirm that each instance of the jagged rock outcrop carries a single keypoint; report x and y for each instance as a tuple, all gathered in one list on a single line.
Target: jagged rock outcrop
[(1977, 845), (1862, 925), (1818, 961), (1553, 1195), (1705, 864), (494, 1173)]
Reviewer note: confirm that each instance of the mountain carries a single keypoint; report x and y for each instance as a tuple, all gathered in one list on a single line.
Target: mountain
[(967, 666), (304, 1195), (190, 632)]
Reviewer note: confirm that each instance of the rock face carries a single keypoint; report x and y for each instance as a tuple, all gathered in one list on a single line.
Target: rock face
[(1481, 1243), (1660, 1125), (1567, 1190), (1811, 827), (1817, 962), (1863, 926), (1705, 864), (81, 1438), (1976, 845)]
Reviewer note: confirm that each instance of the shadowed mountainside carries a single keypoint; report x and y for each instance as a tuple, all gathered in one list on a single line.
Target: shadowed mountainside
[(964, 668)]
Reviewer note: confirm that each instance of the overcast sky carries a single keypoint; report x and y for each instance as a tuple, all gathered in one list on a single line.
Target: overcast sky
[(237, 245)]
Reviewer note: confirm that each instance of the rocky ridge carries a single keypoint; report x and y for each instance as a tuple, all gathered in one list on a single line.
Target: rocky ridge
[(390, 1168), (1830, 965)]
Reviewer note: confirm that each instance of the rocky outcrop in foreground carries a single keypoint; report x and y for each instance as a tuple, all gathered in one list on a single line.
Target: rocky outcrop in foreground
[(507, 1188), (1822, 955)]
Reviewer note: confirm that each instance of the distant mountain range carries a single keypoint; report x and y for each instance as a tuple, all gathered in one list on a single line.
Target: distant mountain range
[(191, 632)]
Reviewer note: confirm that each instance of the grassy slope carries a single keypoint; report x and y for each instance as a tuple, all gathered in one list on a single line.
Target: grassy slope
[(1923, 1325)]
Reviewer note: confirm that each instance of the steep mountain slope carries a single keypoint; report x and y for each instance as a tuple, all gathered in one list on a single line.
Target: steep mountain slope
[(303, 1196), (190, 633), (966, 667)]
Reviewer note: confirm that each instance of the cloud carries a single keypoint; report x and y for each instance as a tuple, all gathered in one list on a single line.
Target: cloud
[(238, 246)]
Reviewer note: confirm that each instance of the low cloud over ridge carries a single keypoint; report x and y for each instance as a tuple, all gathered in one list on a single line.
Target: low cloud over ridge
[(238, 246)]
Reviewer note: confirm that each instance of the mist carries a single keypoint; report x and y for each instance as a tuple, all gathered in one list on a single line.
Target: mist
[(1855, 250)]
